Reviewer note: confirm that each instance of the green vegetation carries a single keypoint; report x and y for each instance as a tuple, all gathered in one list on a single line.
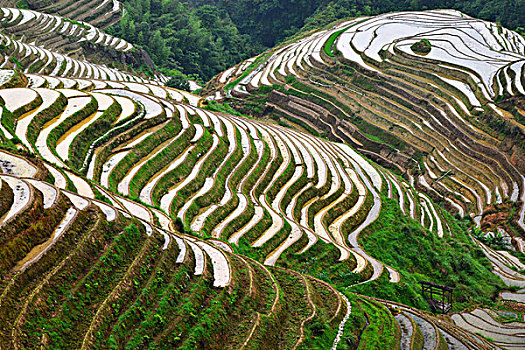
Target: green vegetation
[(328, 47), (179, 82), (8, 119), (221, 107), (418, 339), (82, 25), (114, 285), (77, 310), (381, 333), (420, 255), (22, 4), (422, 47), (73, 119), (80, 145), (201, 38), (144, 148), (494, 240), (199, 42), (119, 288)]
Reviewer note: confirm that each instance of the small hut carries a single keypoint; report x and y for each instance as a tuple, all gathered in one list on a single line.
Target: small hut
[(438, 297)]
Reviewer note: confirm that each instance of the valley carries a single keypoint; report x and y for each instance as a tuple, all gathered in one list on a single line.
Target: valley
[(296, 202)]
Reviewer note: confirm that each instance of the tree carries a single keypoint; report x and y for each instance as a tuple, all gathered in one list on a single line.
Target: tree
[(179, 82), (204, 37), (157, 47)]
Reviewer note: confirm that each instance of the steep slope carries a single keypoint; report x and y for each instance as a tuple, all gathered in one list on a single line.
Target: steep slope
[(132, 217), (280, 196), (94, 269), (100, 13), (51, 44), (222, 176), (56, 32), (435, 95), (86, 274)]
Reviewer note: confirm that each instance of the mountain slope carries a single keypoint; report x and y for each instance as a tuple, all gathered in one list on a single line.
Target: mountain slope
[(451, 118), (132, 217)]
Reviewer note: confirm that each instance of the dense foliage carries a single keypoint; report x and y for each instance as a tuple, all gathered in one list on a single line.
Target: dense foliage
[(199, 42), (204, 37), (510, 13), (266, 22), (422, 47), (420, 255)]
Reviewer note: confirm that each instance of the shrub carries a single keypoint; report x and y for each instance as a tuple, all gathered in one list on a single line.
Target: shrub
[(422, 47), (179, 82)]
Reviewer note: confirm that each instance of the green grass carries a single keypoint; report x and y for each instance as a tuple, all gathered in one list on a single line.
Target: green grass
[(331, 40), (83, 141), (76, 22), (417, 338), (381, 332), (221, 107), (420, 255)]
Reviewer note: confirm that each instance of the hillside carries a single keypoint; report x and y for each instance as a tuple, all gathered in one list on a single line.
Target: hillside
[(269, 22), (436, 97), (99, 217), (49, 43), (99, 13), (200, 38), (135, 215), (450, 117)]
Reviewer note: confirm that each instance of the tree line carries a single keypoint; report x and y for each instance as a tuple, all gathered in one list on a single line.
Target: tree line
[(201, 38)]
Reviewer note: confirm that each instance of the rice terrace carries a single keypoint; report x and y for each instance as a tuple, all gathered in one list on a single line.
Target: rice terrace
[(217, 174)]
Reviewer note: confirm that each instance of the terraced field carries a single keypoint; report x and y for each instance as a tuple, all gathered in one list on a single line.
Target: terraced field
[(100, 13), (122, 263), (98, 264), (47, 30), (76, 216), (430, 95), (141, 153), (134, 215), (221, 176), (442, 118), (508, 335), (47, 43)]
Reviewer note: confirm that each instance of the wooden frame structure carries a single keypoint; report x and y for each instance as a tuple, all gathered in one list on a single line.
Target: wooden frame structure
[(438, 297)]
